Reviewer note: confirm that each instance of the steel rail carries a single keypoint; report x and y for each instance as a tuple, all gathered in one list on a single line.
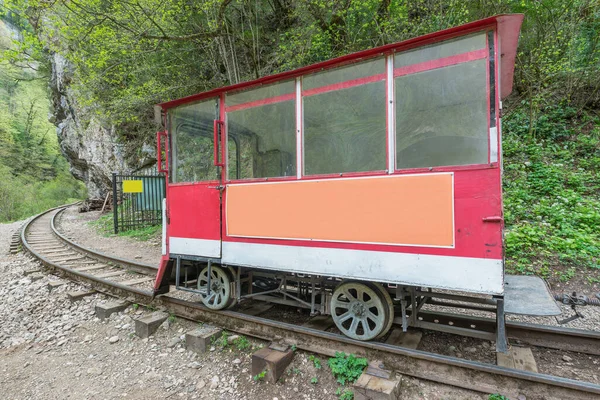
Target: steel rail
[(568, 339), (128, 264), (80, 276), (485, 378)]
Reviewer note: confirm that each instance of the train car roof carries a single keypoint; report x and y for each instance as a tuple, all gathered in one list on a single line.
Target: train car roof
[(508, 26)]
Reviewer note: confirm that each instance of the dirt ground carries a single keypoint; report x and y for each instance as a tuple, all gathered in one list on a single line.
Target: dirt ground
[(52, 348), (75, 226)]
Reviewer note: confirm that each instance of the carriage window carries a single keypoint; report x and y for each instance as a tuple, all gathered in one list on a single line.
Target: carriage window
[(343, 74), (262, 132), (263, 92), (191, 128), (345, 122), (446, 49), (442, 116)]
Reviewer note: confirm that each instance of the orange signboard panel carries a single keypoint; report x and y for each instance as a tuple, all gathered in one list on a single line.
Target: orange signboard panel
[(412, 210)]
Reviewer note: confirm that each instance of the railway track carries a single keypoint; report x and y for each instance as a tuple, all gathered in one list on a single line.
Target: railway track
[(132, 281)]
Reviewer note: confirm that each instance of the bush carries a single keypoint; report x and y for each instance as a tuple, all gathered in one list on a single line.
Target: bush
[(551, 192), (347, 368)]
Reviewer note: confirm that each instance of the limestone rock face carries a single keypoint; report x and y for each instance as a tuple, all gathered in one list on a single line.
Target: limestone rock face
[(90, 146)]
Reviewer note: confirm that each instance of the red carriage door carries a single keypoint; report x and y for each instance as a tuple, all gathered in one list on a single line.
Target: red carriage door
[(194, 195)]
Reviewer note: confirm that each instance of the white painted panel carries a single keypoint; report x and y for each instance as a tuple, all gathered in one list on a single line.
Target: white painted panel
[(299, 141), (391, 110), (195, 247), (477, 275), (494, 144), (164, 227)]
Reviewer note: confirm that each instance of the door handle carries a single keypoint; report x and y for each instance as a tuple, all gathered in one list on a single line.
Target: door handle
[(159, 136), (493, 219), (216, 143)]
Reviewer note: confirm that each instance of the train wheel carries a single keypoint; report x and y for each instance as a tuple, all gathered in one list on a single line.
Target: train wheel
[(387, 301), (358, 311), (220, 288)]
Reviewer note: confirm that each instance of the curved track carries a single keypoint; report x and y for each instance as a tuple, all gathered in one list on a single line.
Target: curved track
[(124, 278)]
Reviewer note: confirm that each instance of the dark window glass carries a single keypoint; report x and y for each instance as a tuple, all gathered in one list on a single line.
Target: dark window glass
[(192, 147), (262, 141), (344, 130), (441, 117)]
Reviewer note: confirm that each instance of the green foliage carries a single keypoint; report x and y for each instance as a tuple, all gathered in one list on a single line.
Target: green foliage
[(314, 380), (242, 343), (496, 396), (344, 394), (260, 376), (172, 318), (130, 55), (551, 191), (316, 361), (222, 340), (346, 368)]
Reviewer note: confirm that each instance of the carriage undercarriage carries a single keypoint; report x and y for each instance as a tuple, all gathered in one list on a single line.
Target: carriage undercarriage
[(360, 310)]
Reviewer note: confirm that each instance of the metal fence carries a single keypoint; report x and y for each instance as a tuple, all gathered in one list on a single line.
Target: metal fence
[(137, 200)]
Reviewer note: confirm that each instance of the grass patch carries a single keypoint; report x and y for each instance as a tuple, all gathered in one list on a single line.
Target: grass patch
[(105, 226)]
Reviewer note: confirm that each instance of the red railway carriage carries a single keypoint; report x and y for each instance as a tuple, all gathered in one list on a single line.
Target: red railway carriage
[(344, 184)]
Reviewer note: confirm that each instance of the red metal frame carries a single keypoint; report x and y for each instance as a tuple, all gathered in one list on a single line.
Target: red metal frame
[(469, 210), (159, 135), (487, 91)]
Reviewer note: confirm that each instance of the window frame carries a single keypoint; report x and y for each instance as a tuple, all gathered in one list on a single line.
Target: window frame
[(346, 85), (461, 58), (252, 104), (172, 142)]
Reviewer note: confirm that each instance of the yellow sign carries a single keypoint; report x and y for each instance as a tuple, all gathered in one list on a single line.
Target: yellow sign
[(133, 186)]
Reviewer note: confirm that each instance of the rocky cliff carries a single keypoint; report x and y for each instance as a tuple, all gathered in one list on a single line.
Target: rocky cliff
[(91, 146)]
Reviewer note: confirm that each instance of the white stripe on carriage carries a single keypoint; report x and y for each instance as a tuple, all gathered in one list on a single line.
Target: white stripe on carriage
[(476, 275), (195, 247)]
